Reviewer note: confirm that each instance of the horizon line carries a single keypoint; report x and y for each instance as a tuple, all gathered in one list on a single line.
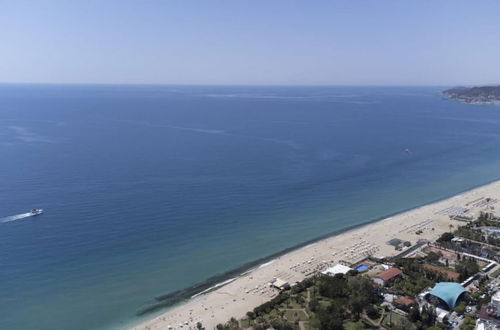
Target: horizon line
[(240, 85)]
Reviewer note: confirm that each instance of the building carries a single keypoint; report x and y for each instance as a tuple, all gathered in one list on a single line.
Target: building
[(457, 240), (448, 293), (486, 320), (446, 257), (490, 314), (387, 276), (442, 316), (337, 269), (485, 325), (280, 284), (404, 302), (451, 275), (495, 304)]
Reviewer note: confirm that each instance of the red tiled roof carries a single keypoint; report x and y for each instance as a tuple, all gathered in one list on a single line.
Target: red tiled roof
[(483, 315), (449, 273), (446, 254), (389, 274), (405, 300)]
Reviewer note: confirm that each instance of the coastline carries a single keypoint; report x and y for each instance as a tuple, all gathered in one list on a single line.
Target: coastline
[(245, 288), (470, 100), (473, 102), (478, 95)]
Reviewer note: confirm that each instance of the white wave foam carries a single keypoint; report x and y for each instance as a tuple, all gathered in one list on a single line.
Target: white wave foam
[(247, 272), (16, 217), (214, 287), (266, 264)]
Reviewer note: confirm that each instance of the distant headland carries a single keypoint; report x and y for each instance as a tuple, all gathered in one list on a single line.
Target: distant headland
[(474, 95)]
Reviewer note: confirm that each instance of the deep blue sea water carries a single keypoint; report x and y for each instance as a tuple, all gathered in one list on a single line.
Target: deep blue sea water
[(152, 189)]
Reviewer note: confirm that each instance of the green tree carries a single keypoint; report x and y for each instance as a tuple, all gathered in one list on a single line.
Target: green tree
[(314, 305), (356, 306), (333, 286), (433, 256), (460, 309), (428, 316), (331, 318), (468, 323), (281, 325), (372, 312), (445, 237), (362, 287), (414, 314), (466, 268)]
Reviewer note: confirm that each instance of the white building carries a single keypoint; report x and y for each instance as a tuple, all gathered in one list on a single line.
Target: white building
[(337, 269), (280, 284), (495, 303)]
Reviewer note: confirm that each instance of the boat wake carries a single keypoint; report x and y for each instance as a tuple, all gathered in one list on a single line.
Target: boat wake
[(16, 217)]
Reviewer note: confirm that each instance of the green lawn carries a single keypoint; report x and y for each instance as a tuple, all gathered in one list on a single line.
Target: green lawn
[(245, 323), (495, 273), (271, 316), (292, 304), (355, 325), (293, 316), (396, 319)]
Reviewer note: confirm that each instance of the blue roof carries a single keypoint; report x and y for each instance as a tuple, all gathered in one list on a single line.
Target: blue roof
[(449, 292), (361, 268)]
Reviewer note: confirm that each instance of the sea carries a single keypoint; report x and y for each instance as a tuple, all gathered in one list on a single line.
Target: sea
[(153, 194)]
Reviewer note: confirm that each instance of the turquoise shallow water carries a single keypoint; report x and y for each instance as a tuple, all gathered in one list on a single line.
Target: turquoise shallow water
[(153, 189)]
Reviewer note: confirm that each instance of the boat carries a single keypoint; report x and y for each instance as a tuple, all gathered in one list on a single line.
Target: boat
[(36, 211)]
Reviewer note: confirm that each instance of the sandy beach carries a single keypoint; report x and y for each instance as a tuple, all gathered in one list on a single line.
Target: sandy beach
[(252, 289)]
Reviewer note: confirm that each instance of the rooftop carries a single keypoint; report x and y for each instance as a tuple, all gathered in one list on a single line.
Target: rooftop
[(405, 300), (337, 269), (448, 292), (446, 254), (389, 274), (279, 283), (448, 273), (489, 317)]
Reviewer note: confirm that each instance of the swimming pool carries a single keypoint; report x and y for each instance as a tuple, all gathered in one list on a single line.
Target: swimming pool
[(362, 268)]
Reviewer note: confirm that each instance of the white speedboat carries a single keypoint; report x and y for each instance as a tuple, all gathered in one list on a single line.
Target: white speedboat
[(36, 211)]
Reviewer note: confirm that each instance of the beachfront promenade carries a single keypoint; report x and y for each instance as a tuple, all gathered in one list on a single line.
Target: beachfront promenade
[(252, 289)]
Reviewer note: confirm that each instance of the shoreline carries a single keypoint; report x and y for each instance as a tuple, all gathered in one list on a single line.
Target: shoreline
[(185, 308), (470, 100)]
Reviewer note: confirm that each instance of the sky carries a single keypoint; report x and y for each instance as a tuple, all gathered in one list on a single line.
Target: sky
[(252, 42)]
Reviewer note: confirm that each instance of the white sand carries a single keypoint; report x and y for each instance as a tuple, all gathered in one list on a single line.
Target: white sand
[(251, 290)]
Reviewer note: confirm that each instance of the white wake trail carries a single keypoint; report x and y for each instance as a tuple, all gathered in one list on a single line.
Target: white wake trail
[(16, 217)]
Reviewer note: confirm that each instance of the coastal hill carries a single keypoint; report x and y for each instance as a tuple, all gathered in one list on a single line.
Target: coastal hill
[(474, 95)]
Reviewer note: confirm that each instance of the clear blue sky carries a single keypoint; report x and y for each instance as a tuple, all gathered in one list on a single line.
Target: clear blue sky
[(258, 42)]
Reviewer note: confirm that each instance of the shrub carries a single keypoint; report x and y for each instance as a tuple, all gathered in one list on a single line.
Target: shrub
[(372, 312)]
